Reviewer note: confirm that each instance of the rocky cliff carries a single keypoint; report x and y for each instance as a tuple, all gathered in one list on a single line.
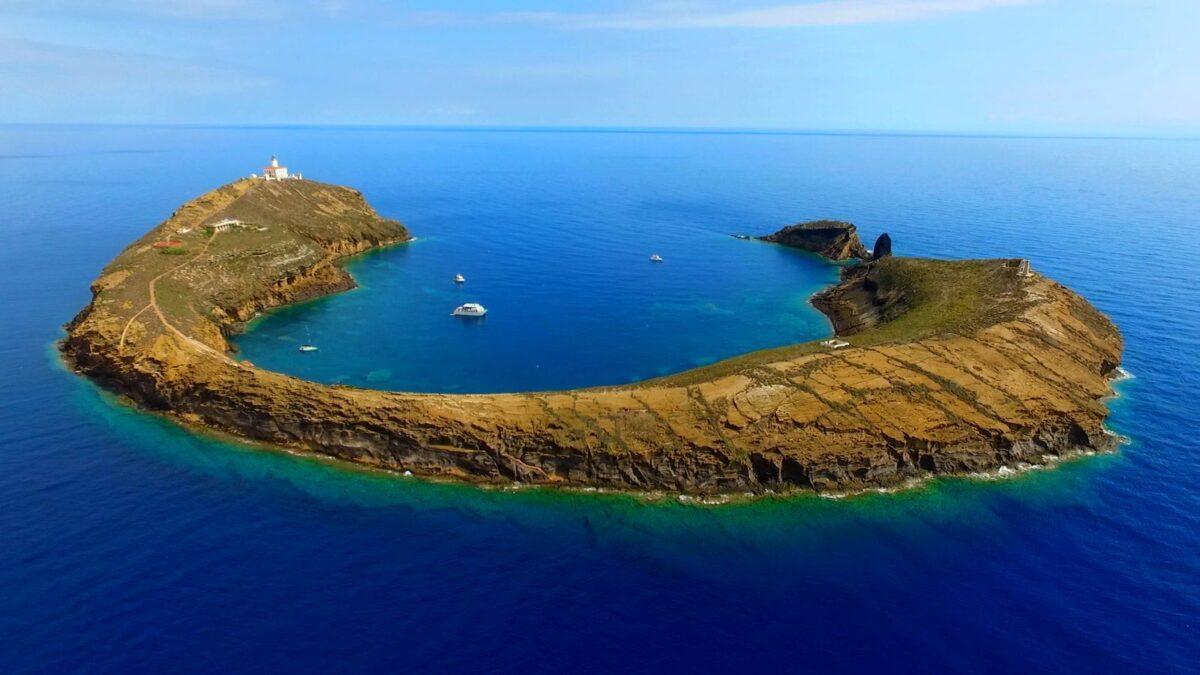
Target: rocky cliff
[(833, 239), (951, 367)]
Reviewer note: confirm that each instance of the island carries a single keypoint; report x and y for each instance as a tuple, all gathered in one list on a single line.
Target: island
[(938, 367), (834, 239)]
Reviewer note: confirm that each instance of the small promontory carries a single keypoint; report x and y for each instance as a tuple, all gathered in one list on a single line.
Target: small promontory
[(941, 367), (833, 239)]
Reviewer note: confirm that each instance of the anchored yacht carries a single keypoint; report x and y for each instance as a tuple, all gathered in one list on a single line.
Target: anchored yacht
[(460, 279), (308, 346), (469, 309), (656, 258)]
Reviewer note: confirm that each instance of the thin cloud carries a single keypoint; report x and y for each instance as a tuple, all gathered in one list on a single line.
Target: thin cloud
[(824, 13), (28, 63), (673, 15), (700, 16), (181, 10)]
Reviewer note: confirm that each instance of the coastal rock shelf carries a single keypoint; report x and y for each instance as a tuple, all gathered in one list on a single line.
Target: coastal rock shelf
[(950, 367)]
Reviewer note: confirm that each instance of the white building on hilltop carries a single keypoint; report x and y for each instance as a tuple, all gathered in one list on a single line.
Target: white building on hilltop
[(273, 171)]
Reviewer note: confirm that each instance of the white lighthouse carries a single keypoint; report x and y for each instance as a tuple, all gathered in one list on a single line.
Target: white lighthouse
[(273, 171)]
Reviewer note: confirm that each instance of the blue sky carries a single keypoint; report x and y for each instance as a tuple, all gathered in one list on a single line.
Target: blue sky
[(1004, 66)]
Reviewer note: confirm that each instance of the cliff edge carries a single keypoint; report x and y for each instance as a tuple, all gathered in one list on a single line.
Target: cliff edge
[(948, 367)]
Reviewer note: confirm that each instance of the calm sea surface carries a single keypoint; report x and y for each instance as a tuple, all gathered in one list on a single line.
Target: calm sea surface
[(128, 544)]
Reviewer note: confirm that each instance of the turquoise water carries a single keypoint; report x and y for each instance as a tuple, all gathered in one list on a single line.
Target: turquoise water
[(554, 238), (566, 308), (127, 543)]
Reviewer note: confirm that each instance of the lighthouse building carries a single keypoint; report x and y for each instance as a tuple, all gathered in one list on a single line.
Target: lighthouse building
[(274, 171)]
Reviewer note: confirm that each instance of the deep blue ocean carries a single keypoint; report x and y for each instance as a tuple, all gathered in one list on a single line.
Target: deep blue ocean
[(128, 544)]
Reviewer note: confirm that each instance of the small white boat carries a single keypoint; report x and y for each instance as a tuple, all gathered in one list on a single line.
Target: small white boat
[(656, 258), (308, 346), (460, 279), (469, 309)]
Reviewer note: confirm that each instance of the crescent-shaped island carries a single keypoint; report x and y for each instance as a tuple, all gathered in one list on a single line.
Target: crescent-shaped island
[(939, 367)]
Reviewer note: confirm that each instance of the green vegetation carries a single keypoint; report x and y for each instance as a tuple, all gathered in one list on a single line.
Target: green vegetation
[(284, 230), (943, 296), (175, 301), (826, 224), (930, 297)]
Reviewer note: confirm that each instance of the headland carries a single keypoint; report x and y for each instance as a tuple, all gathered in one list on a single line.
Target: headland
[(940, 367)]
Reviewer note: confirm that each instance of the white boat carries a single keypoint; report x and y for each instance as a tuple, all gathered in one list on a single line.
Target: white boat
[(469, 309), (656, 258), (308, 346), (460, 279)]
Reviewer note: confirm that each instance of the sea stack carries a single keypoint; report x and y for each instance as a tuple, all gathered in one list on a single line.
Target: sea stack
[(883, 247)]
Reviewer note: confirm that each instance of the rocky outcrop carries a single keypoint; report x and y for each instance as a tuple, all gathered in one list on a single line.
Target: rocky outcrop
[(883, 247), (833, 239), (952, 367), (859, 302)]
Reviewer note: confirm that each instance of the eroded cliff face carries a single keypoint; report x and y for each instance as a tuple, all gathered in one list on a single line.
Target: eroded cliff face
[(860, 302), (953, 367), (833, 239)]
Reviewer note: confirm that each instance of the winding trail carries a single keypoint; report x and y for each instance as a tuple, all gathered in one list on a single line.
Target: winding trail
[(163, 318), (121, 345)]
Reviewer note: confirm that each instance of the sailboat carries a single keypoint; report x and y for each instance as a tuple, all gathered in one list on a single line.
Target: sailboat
[(308, 346)]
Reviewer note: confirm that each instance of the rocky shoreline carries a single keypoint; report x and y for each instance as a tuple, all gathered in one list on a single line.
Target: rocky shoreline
[(951, 368)]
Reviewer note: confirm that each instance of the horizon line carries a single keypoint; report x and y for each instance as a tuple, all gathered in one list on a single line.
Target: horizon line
[(699, 130)]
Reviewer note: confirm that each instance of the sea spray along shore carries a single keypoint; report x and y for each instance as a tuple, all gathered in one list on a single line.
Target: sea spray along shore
[(951, 367)]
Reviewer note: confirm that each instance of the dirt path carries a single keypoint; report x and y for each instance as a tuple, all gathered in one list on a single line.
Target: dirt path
[(129, 323), (162, 317)]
